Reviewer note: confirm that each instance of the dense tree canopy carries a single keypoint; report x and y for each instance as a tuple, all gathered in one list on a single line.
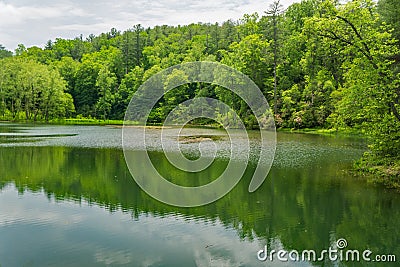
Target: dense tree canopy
[(32, 90), (4, 52)]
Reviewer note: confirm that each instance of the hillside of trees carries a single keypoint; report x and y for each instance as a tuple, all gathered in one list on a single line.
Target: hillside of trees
[(320, 64)]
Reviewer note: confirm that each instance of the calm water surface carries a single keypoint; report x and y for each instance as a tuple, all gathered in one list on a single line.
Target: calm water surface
[(68, 199)]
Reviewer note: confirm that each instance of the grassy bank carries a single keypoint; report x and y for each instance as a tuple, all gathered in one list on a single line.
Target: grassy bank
[(100, 122), (72, 121), (86, 121), (380, 170), (324, 131)]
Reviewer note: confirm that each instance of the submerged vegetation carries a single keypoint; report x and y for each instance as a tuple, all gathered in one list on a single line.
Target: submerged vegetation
[(320, 63)]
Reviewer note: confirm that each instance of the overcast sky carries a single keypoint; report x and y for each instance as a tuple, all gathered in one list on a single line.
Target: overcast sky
[(35, 22)]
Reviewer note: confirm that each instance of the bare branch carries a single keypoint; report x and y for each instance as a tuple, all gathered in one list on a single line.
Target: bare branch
[(353, 27), (395, 111)]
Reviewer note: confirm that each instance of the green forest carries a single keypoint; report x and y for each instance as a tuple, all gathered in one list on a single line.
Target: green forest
[(320, 63)]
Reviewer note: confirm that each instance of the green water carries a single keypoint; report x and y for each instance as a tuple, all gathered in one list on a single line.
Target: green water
[(68, 199)]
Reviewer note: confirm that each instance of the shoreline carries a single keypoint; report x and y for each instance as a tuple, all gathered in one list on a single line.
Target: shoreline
[(100, 122), (381, 171)]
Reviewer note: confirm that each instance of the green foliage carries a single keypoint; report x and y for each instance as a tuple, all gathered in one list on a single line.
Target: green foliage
[(129, 84), (389, 11), (106, 82), (252, 56), (34, 89), (4, 52), (370, 93)]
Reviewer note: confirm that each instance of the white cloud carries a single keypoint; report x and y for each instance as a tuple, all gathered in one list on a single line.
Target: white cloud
[(33, 23), (12, 15), (81, 27)]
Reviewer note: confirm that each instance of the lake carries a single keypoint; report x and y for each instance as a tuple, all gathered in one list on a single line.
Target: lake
[(67, 198)]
